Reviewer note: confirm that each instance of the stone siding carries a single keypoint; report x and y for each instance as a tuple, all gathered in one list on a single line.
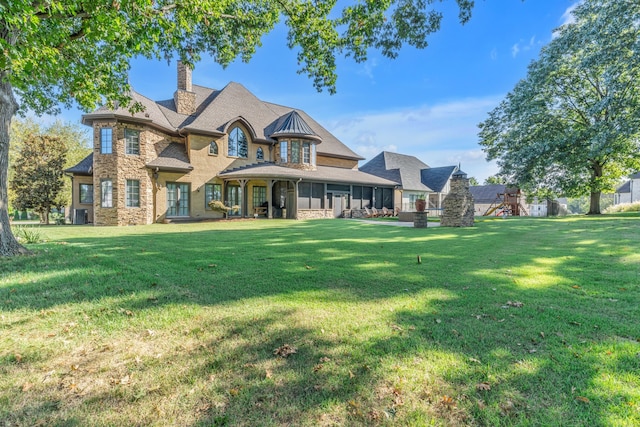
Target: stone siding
[(314, 213)]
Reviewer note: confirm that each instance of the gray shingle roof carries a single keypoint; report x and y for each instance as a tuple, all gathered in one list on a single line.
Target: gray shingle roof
[(409, 171), (486, 193), (437, 178), (323, 174), (84, 167), (217, 109), (172, 158)]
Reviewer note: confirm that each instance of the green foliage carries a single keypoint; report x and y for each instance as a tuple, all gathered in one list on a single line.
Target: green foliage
[(572, 126), (74, 137), (218, 206), (494, 179), (473, 181), (623, 207), (28, 235), (38, 174)]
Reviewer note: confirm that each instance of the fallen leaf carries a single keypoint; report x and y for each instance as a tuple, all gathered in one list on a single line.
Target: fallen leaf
[(575, 323), (542, 334), (268, 374), (324, 359), (234, 391), (507, 407), (438, 321), (447, 401), (474, 360), (285, 350), (583, 399), (18, 357), (308, 267), (74, 367), (483, 386), (351, 375), (515, 304), (576, 287), (396, 327), (318, 367), (26, 386)]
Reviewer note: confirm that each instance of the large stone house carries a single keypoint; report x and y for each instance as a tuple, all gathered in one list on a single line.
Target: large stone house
[(169, 161)]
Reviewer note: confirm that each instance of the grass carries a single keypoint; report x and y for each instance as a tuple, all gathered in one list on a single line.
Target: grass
[(525, 321)]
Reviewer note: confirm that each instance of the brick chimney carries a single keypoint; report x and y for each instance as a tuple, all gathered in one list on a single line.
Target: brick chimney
[(184, 97)]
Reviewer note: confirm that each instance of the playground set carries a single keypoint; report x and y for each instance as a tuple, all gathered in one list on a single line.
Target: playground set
[(507, 204)]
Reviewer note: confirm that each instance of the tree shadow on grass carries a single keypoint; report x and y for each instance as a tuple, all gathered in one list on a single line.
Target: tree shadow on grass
[(542, 360)]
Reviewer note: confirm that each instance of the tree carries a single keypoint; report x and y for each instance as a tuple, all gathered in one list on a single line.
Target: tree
[(494, 179), (38, 175), (473, 181), (74, 137), (78, 52), (571, 127)]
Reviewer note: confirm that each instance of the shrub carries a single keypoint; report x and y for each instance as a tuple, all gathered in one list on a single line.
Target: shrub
[(28, 235), (218, 206), (623, 207)]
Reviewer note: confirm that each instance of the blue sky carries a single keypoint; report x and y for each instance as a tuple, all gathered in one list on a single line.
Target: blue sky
[(426, 103)]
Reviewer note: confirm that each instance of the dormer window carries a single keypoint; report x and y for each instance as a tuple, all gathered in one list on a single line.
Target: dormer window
[(213, 148), (238, 145)]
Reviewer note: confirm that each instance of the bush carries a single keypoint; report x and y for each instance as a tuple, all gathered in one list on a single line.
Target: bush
[(28, 235), (218, 206), (623, 207)]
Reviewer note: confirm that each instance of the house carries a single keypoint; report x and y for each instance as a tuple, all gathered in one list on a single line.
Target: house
[(484, 196), (169, 161), (629, 192), (415, 179)]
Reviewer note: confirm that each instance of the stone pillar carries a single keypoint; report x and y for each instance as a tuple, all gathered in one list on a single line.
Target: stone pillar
[(458, 206), (420, 219)]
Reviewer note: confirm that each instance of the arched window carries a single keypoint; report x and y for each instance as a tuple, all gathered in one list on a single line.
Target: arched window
[(260, 154), (238, 145), (213, 148)]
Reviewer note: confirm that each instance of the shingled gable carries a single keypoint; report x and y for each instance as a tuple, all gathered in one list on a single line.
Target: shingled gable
[(84, 167), (403, 169), (436, 178), (172, 159)]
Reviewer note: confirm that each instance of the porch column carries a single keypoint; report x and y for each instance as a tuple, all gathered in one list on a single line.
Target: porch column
[(244, 202), (270, 184)]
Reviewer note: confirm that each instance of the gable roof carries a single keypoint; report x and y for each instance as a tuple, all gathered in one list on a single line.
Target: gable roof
[(409, 171), (486, 193), (84, 167), (216, 110), (437, 178)]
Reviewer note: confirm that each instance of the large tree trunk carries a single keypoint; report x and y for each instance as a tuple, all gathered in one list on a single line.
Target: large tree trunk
[(9, 246), (596, 174), (594, 204)]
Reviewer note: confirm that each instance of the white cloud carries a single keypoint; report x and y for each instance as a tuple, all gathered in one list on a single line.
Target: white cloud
[(567, 16), (494, 54), (439, 135), (515, 49), (367, 69)]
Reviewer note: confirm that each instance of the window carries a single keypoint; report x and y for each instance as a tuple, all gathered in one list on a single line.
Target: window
[(213, 148), (306, 152), (260, 154), (212, 192), (295, 151), (259, 196), (86, 194), (133, 193), (106, 196), (106, 140), (238, 145), (313, 154), (132, 141), (283, 151)]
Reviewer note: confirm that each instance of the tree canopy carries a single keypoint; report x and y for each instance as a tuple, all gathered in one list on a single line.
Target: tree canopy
[(572, 126), (67, 52), (38, 176)]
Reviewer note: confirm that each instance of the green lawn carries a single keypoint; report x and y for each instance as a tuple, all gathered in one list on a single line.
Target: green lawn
[(512, 322)]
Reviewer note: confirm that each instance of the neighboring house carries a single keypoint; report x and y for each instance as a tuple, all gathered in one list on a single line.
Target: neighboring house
[(629, 192), (169, 161), (484, 196), (415, 179)]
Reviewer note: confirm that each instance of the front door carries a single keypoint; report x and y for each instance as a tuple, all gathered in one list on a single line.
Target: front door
[(177, 199), (338, 203)]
